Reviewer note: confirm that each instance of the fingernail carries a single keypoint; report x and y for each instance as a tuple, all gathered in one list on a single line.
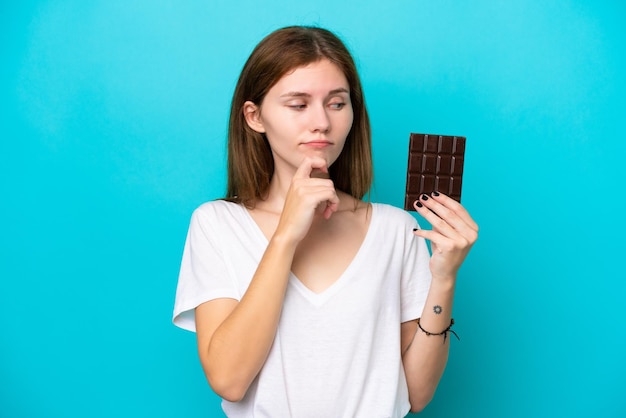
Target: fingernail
[(414, 229), (424, 197), (435, 193), (418, 204)]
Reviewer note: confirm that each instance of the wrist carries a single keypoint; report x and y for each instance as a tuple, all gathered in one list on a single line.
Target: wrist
[(283, 241), (444, 283), (443, 333)]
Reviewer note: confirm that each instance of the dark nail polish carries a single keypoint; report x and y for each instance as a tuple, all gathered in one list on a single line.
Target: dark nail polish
[(418, 204), (414, 229), (424, 197), (435, 193)]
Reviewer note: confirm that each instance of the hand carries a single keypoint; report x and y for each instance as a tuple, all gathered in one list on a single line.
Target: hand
[(307, 195), (453, 234)]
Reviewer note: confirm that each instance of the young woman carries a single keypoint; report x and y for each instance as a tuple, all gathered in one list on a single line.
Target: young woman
[(305, 298)]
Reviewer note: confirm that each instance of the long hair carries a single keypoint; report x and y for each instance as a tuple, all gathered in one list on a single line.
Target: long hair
[(250, 161)]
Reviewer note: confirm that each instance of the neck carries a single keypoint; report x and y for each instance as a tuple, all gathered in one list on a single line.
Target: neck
[(279, 186), (277, 192)]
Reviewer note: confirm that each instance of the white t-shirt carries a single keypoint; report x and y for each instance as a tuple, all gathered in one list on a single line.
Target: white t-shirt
[(336, 353)]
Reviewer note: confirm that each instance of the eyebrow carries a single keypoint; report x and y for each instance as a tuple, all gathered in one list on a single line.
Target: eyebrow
[(302, 94)]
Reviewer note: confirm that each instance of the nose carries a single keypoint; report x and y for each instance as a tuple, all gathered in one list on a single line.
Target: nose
[(320, 122)]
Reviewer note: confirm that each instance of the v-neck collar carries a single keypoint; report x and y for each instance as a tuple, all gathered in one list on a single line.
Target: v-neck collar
[(320, 298)]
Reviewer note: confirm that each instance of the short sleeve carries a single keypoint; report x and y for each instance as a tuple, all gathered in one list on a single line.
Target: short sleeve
[(204, 274), (416, 276)]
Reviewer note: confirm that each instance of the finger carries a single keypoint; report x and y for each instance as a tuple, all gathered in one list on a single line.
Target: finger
[(425, 207), (445, 220), (437, 240), (307, 188), (308, 165), (320, 195), (332, 205), (456, 207)]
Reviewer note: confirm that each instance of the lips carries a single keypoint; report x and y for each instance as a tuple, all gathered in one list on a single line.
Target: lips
[(319, 143)]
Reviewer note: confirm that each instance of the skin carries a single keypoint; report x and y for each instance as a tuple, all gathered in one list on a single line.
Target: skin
[(306, 117), (453, 234)]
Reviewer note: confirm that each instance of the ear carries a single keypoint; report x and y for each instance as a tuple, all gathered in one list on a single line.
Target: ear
[(252, 113)]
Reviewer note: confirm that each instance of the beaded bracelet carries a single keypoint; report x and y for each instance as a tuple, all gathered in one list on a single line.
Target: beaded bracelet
[(444, 332)]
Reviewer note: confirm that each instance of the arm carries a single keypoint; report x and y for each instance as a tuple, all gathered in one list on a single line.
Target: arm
[(234, 338), (425, 357)]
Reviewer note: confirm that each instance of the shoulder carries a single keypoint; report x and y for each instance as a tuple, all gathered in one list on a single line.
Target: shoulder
[(215, 213), (216, 207), (394, 215)]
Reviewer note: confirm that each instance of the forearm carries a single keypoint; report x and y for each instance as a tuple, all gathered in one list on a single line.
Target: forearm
[(237, 341), (240, 345), (425, 357)]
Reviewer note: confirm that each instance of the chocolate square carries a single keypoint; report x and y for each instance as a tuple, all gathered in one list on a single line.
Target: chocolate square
[(435, 164)]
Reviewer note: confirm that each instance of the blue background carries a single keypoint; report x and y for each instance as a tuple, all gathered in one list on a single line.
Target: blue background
[(113, 122)]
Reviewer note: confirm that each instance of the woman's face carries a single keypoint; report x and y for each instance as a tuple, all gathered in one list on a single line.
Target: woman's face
[(306, 113)]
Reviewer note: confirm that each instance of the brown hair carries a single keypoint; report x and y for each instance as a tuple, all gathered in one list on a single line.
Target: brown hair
[(250, 161)]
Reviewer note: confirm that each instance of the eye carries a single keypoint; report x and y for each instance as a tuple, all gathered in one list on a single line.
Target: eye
[(297, 106), (337, 106)]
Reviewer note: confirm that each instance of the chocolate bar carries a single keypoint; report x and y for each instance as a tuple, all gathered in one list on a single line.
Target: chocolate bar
[(435, 164)]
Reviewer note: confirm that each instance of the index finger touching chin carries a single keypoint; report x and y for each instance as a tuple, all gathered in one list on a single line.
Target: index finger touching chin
[(312, 167)]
